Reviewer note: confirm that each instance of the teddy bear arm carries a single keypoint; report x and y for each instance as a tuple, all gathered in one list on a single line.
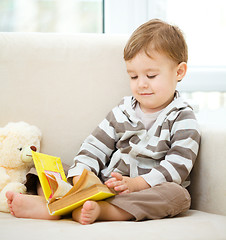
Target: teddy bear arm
[(4, 177), (14, 187)]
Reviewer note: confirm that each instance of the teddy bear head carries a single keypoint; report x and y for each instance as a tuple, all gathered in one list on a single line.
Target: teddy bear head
[(17, 139)]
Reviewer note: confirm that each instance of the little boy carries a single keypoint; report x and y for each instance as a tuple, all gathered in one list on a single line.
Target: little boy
[(147, 145)]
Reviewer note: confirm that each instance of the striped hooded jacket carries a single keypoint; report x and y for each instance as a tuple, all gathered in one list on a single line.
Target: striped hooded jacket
[(165, 152)]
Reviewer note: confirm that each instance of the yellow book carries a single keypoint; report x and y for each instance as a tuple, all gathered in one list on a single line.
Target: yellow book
[(61, 197)]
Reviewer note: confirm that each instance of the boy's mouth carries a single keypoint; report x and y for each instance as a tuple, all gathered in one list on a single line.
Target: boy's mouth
[(146, 94)]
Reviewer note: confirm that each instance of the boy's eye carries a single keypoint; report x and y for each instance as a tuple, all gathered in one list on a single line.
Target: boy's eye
[(135, 77), (152, 76)]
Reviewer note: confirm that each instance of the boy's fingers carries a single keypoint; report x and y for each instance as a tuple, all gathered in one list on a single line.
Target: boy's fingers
[(121, 188), (114, 184), (118, 176), (110, 180)]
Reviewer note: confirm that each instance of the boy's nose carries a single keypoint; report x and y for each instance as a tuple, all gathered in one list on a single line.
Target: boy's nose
[(142, 82)]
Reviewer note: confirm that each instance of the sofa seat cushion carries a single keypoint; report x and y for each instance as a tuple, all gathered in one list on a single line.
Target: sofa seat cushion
[(190, 225)]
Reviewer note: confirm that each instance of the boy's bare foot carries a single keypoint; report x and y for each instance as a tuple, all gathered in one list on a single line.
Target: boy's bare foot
[(28, 206), (87, 214), (92, 211)]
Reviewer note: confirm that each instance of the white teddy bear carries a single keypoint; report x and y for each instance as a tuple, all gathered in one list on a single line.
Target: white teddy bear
[(16, 142)]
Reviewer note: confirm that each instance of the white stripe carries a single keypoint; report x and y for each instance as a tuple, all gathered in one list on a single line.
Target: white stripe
[(185, 125), (91, 140), (153, 140), (154, 155), (125, 157), (154, 177), (187, 143), (115, 158), (76, 171), (109, 130), (180, 160), (120, 118), (128, 134), (93, 163), (141, 149), (92, 149), (147, 163), (165, 135), (172, 171), (174, 115)]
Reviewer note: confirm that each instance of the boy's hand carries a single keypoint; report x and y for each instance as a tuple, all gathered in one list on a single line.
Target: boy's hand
[(124, 184), (119, 183)]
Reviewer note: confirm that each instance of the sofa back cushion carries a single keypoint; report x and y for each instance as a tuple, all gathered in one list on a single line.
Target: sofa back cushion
[(64, 84)]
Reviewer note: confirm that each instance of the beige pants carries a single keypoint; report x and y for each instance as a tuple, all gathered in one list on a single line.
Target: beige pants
[(163, 200)]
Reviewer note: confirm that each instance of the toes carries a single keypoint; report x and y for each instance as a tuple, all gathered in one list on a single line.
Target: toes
[(88, 206), (12, 213), (85, 220), (89, 212), (10, 196)]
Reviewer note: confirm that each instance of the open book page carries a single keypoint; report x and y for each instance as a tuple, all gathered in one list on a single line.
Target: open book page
[(86, 180), (68, 203), (61, 188), (88, 187), (58, 186)]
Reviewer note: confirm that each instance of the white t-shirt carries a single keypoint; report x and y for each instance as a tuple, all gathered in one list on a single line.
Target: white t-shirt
[(147, 119)]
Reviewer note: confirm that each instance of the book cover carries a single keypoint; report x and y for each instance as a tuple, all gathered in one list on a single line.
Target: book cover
[(68, 203), (49, 169), (61, 197)]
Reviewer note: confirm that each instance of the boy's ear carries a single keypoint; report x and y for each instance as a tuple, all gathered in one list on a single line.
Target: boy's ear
[(181, 71)]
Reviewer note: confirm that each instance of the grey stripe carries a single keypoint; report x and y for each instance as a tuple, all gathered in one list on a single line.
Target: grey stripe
[(124, 145), (164, 126), (142, 171), (103, 137), (183, 115), (165, 173), (181, 169), (183, 152), (151, 158), (186, 133), (162, 146), (94, 157), (123, 127), (135, 139), (158, 130), (123, 167)]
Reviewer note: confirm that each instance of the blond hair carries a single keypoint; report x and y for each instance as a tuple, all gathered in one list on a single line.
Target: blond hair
[(157, 35)]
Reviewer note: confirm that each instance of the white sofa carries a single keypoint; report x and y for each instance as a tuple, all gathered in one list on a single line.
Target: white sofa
[(65, 85)]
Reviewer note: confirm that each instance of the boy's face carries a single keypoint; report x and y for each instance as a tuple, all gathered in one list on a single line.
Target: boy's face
[(153, 80)]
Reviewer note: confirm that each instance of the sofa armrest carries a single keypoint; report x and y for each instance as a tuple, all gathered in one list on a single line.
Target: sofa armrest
[(208, 187)]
